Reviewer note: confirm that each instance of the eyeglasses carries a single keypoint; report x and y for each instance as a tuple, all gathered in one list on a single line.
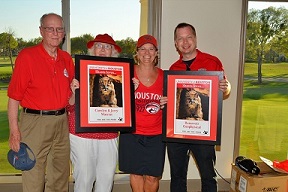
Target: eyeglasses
[(105, 46), (52, 29)]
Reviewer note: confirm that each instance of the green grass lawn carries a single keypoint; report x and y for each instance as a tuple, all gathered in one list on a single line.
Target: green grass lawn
[(264, 120), (5, 69), (264, 112), (264, 132), (5, 65), (268, 70)]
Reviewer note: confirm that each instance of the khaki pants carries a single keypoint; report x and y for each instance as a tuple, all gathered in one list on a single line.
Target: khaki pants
[(48, 137)]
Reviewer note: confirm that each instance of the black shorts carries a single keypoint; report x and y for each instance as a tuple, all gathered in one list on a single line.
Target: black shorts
[(141, 155)]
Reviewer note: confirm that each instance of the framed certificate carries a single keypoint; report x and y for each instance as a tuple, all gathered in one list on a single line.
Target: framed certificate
[(193, 113), (105, 100)]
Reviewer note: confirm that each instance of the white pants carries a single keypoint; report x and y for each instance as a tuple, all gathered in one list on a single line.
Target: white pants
[(94, 160)]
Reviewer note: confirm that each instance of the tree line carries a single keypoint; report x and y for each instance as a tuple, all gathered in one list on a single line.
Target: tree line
[(10, 45)]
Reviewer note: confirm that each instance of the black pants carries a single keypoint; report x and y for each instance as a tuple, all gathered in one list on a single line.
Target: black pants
[(178, 154)]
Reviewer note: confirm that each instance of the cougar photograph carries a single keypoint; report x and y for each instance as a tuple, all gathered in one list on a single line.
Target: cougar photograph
[(190, 104), (105, 91)]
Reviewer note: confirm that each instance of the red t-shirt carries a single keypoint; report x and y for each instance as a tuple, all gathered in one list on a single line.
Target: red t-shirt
[(148, 113), (39, 81)]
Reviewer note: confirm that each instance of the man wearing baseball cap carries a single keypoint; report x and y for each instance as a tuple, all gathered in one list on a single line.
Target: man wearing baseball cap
[(93, 155)]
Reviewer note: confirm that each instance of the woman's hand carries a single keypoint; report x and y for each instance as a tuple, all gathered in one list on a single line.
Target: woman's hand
[(74, 85), (163, 101), (136, 83)]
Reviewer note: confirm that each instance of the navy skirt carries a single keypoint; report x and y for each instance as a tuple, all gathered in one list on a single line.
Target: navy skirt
[(141, 155)]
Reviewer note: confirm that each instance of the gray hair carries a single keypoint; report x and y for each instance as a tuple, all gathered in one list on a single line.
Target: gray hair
[(47, 14), (114, 53)]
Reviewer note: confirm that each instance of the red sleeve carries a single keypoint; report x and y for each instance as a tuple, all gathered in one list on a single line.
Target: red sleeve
[(21, 77)]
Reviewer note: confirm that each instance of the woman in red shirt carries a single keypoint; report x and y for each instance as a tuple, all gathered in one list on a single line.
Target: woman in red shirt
[(142, 153)]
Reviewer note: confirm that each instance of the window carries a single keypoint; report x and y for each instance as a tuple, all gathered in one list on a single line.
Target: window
[(265, 86), (91, 17)]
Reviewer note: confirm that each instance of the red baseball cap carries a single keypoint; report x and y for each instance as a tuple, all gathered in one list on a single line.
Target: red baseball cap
[(146, 39), (104, 38)]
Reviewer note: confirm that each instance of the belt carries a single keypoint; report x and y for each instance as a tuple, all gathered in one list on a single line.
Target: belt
[(45, 112)]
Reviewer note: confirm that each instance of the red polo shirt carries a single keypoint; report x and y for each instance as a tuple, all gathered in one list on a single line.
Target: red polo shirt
[(202, 62), (39, 81)]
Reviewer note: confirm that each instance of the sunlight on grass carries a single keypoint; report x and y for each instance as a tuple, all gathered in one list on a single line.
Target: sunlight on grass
[(264, 129), (268, 70), (264, 113)]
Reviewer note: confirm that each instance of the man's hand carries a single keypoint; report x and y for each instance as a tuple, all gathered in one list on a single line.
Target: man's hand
[(14, 139), (225, 87)]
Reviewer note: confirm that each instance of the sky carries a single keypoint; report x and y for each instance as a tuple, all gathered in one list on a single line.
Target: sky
[(118, 18), (263, 5)]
